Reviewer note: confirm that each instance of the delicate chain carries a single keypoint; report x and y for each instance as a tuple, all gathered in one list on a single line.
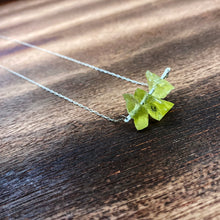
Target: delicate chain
[(78, 62), (73, 60), (60, 95)]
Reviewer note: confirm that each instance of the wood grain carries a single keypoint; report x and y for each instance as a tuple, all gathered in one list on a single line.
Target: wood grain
[(58, 161)]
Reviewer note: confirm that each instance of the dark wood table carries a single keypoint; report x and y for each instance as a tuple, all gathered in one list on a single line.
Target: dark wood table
[(58, 161)]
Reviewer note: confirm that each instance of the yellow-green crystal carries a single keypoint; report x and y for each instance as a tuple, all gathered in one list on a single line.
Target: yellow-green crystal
[(157, 108), (161, 87), (141, 103)]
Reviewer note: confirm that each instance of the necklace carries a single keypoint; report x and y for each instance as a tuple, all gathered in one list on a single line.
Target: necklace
[(123, 118)]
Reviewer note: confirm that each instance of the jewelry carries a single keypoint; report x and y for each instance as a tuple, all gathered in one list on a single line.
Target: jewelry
[(138, 106)]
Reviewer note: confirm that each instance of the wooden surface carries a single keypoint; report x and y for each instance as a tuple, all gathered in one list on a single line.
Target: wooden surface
[(58, 161)]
